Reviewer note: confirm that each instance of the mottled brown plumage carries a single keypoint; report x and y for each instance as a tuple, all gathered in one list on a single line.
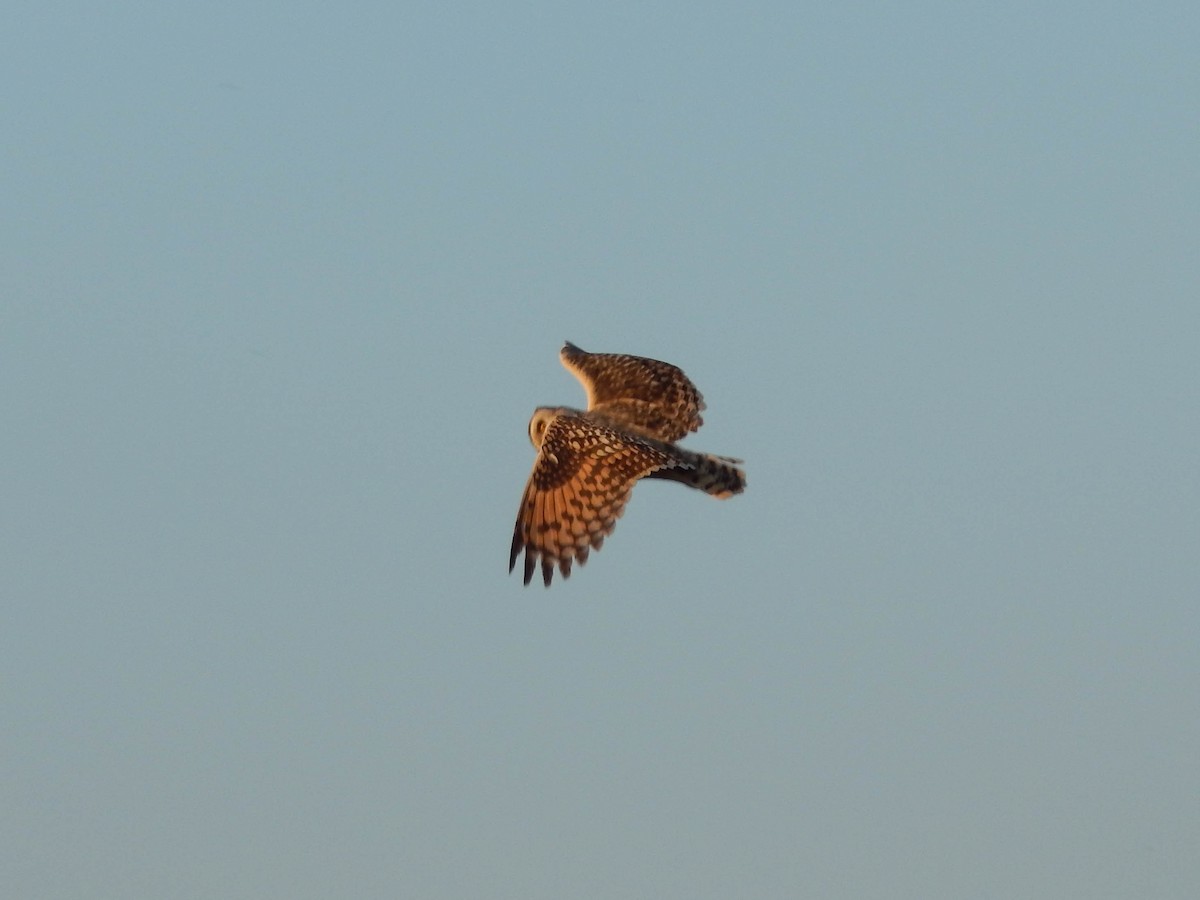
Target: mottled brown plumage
[(588, 462), (645, 396)]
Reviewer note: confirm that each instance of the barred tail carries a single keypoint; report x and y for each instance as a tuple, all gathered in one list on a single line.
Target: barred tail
[(716, 475)]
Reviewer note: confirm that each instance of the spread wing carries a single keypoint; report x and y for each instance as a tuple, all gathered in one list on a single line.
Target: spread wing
[(581, 481), (646, 396)]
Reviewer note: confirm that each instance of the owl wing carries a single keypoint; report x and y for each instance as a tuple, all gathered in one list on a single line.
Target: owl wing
[(647, 396), (581, 481)]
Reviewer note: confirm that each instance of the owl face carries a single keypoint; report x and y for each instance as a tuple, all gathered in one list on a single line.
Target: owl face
[(542, 417)]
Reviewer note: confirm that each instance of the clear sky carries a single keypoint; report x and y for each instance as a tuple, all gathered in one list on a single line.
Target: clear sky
[(280, 285)]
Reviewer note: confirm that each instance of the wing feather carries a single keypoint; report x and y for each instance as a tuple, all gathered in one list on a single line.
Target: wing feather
[(582, 478), (646, 396)]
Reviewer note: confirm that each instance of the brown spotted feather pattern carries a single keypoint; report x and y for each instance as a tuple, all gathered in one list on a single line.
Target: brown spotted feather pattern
[(631, 393), (588, 462), (580, 484)]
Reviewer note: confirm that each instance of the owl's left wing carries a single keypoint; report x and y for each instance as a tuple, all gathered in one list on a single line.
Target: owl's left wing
[(581, 481)]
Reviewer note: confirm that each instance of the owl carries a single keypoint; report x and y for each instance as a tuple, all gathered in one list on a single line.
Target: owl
[(588, 461)]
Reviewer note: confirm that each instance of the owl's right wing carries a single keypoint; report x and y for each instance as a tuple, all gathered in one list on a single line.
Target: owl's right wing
[(581, 481), (645, 395)]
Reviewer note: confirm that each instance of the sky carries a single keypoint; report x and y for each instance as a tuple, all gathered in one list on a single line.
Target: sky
[(280, 286)]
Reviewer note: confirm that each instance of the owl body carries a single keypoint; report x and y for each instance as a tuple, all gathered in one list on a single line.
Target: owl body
[(589, 460)]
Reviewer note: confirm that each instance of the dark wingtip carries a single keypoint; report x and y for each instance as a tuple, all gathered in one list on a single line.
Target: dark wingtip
[(547, 571), (517, 544), (529, 564)]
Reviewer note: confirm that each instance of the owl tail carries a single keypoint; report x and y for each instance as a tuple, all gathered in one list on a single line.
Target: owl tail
[(716, 475)]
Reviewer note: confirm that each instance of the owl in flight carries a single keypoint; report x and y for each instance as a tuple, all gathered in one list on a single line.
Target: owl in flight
[(588, 462)]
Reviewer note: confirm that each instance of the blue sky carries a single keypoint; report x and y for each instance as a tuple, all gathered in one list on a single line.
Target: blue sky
[(282, 286)]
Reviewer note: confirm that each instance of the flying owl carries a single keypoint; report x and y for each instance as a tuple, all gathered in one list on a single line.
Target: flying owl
[(588, 462)]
